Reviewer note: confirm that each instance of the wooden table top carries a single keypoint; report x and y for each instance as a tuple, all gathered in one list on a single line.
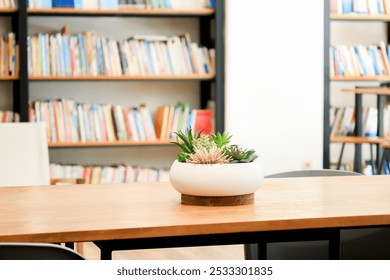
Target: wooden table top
[(119, 211)]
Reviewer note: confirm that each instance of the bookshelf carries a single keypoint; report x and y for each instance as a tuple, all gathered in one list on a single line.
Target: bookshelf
[(210, 29), (359, 86)]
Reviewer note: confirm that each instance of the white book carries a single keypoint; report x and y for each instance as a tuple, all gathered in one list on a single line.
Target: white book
[(206, 59), (373, 7), (116, 58), (109, 122), (371, 122), (186, 56), (133, 125), (173, 57), (120, 123), (106, 58), (385, 57), (91, 124), (139, 124), (361, 7), (196, 59), (355, 60), (164, 58), (187, 5), (154, 58), (148, 122), (130, 174), (119, 174), (140, 56), (128, 57), (90, 4), (102, 121), (97, 124), (178, 49)]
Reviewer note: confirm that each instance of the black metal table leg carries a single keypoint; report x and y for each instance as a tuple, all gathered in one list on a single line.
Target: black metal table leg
[(384, 156), (341, 156), (105, 254), (372, 159), (334, 245), (262, 251)]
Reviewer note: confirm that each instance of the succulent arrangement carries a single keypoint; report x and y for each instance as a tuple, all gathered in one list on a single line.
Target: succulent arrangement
[(210, 149)]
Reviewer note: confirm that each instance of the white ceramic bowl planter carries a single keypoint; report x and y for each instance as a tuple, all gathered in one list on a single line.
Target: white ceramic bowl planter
[(216, 184)]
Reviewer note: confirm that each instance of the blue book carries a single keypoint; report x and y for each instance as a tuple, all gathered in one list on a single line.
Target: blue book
[(63, 3), (169, 60), (212, 4), (337, 60), (67, 58), (361, 61), (149, 57), (99, 53), (78, 4), (122, 56), (108, 4), (168, 4), (347, 6), (138, 123), (378, 60), (95, 112), (371, 54), (380, 7)]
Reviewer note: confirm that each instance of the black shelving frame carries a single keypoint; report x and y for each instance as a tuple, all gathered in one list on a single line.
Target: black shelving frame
[(17, 86), (20, 87), (326, 128), (212, 34), (358, 97)]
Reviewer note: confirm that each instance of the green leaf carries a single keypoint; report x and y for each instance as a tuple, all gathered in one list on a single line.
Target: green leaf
[(221, 139)]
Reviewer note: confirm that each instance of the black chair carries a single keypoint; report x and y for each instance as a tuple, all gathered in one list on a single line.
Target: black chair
[(37, 251), (294, 248)]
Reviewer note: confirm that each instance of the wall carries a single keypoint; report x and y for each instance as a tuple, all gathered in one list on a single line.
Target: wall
[(274, 80)]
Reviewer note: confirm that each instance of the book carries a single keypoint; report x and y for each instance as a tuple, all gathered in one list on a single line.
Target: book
[(160, 121), (147, 122), (203, 121), (63, 3)]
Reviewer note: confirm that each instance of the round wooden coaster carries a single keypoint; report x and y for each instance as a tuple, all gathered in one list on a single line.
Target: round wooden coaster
[(218, 200)]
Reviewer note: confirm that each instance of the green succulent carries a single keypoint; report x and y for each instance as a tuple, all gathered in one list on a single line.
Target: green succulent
[(204, 142), (186, 144), (240, 155), (200, 148), (221, 139)]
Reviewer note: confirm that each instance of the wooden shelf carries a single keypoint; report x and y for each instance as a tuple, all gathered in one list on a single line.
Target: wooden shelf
[(123, 12), (369, 78), (123, 78), (110, 144), (376, 91), (386, 144), (356, 140), (360, 17), (9, 78), (8, 10)]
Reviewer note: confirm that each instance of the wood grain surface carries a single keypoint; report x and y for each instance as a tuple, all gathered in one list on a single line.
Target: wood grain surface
[(118, 211)]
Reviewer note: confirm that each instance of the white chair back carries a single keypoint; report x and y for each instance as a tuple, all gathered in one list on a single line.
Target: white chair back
[(24, 156)]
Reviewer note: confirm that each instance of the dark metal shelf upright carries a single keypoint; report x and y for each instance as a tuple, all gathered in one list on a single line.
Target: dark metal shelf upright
[(326, 130), (220, 65), (212, 35), (20, 87)]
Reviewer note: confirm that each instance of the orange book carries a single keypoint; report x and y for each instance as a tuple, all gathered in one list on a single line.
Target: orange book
[(203, 121), (160, 121)]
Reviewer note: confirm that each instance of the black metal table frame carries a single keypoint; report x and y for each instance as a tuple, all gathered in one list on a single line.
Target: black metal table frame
[(330, 234)]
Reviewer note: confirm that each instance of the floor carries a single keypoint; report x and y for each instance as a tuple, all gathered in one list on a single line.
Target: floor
[(231, 252)]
